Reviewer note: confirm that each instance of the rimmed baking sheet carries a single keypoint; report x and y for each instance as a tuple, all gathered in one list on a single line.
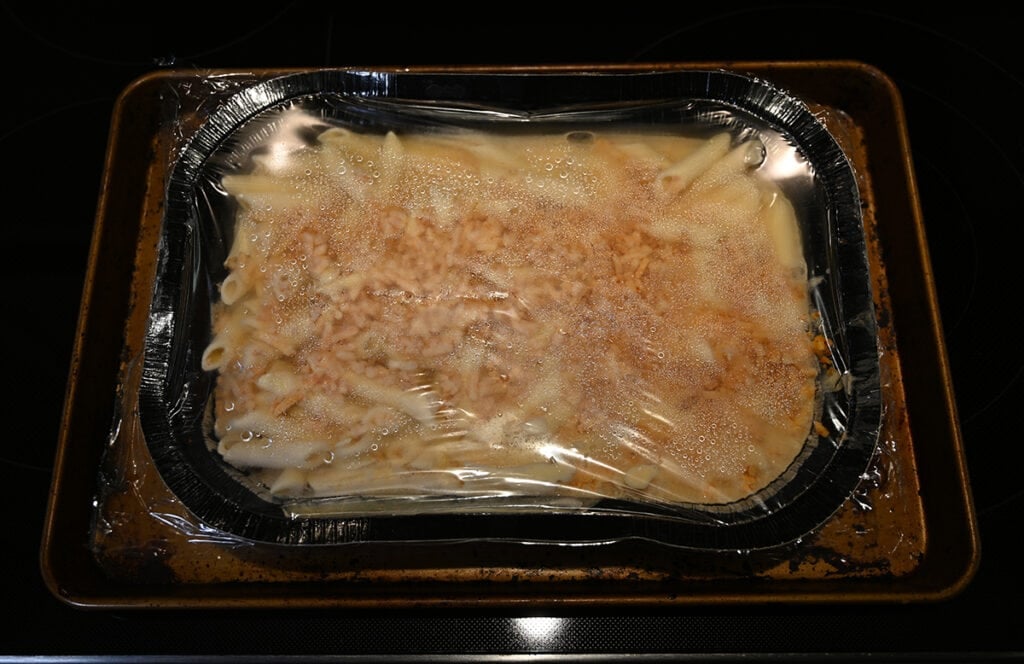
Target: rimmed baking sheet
[(167, 571)]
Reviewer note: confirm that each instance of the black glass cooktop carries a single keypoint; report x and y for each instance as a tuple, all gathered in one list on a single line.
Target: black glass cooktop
[(960, 77)]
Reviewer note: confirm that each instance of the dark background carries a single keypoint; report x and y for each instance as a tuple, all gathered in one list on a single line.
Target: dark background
[(960, 76)]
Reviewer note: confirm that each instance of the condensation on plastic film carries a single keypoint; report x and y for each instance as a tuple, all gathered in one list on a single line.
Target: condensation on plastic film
[(129, 483), (889, 485)]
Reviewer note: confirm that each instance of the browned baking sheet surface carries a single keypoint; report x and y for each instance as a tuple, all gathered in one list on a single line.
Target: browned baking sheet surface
[(880, 546)]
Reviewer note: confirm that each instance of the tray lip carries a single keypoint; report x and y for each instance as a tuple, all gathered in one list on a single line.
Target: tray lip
[(973, 560), (152, 598), (48, 568)]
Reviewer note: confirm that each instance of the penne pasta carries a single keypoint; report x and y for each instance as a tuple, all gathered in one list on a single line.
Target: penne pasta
[(477, 314)]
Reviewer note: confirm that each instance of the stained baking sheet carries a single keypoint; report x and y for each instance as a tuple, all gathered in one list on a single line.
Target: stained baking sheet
[(880, 546)]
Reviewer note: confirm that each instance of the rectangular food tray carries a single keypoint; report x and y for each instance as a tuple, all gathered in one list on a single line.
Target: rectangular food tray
[(917, 541)]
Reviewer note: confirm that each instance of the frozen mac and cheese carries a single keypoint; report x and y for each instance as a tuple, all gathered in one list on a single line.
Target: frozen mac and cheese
[(582, 314)]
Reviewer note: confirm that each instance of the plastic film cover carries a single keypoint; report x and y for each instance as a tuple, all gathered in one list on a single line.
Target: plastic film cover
[(534, 307)]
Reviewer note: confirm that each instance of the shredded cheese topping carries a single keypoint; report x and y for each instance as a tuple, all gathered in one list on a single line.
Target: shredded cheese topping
[(589, 314)]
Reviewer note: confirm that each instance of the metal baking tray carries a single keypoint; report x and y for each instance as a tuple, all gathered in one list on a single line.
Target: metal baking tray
[(888, 543)]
